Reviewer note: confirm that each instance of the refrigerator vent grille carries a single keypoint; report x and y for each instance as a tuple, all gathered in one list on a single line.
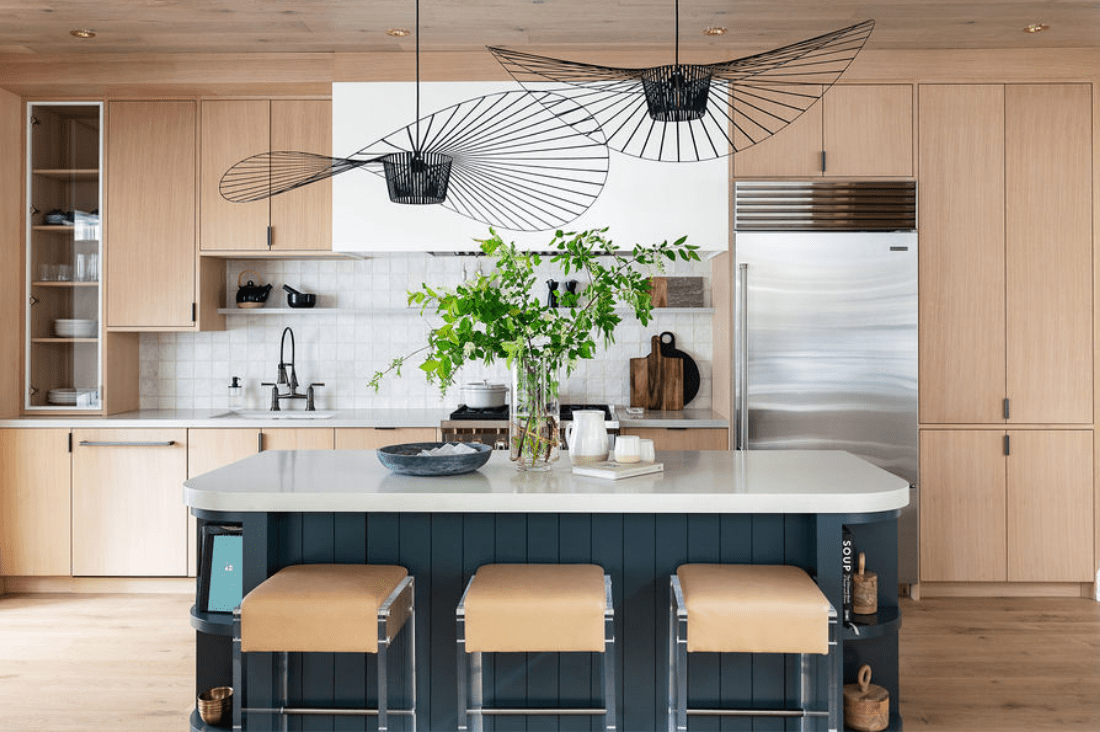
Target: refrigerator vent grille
[(825, 206)]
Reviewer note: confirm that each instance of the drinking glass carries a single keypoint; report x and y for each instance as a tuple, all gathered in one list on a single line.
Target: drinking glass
[(627, 448)]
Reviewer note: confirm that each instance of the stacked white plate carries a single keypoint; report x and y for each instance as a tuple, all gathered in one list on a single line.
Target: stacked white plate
[(75, 328), (67, 397)]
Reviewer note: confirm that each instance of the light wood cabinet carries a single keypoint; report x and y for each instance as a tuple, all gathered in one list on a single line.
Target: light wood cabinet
[(1024, 516), (128, 513), (962, 506), (35, 505), (296, 221), (854, 131), (208, 449), (682, 438), (372, 438), (151, 175), (1006, 254), (301, 438), (1050, 506)]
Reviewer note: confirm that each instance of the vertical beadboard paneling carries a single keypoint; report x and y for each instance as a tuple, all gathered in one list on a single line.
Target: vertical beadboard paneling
[(509, 683), (349, 535), (577, 671), (639, 551)]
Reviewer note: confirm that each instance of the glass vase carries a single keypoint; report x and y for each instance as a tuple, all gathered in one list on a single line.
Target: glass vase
[(534, 427)]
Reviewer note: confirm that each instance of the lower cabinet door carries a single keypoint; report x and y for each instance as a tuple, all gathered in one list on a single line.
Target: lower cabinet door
[(298, 438), (34, 502), (683, 438), (1050, 506), (129, 519), (208, 449), (962, 511), (372, 438)]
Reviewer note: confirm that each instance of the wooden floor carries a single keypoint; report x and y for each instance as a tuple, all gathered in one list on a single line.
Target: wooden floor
[(126, 663)]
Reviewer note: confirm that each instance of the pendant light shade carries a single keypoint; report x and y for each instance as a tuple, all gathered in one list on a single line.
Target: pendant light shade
[(691, 112), (519, 160), (417, 178), (676, 93)]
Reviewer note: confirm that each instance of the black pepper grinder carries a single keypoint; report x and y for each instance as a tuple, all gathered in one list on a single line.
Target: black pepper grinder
[(552, 297)]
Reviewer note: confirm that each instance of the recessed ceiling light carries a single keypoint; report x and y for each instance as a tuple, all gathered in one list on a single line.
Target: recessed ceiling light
[(83, 33), (398, 32), (715, 30), (1035, 28)]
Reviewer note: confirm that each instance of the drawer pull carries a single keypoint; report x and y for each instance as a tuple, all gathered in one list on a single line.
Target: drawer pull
[(92, 443)]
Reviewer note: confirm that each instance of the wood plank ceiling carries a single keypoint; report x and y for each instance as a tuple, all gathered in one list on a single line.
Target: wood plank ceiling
[(41, 27)]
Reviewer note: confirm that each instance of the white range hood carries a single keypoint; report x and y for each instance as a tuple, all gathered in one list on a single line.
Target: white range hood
[(642, 202)]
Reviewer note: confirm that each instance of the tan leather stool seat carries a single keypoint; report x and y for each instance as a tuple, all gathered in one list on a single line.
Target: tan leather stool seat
[(536, 607), (753, 608), (320, 608)]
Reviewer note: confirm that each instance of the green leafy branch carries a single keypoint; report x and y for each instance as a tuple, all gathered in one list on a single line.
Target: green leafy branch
[(498, 316)]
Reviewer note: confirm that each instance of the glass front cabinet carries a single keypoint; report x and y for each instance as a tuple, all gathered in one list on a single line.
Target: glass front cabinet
[(64, 353)]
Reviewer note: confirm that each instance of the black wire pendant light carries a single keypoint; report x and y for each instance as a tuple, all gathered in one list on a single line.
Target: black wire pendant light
[(518, 160), (692, 112), (417, 177)]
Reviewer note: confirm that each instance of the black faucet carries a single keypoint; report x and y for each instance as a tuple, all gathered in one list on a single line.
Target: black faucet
[(288, 377)]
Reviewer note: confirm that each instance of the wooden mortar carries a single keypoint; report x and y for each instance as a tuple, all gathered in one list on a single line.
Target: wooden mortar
[(866, 705), (864, 590)]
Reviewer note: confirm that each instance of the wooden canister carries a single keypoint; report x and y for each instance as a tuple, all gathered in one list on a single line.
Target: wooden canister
[(864, 590), (866, 705)]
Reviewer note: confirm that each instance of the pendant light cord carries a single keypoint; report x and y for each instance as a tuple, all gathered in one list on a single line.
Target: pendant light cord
[(416, 147), (677, 31)]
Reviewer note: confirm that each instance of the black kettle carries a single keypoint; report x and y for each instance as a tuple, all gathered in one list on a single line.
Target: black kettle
[(251, 295)]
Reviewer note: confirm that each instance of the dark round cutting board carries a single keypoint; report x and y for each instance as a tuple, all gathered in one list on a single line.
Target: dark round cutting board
[(691, 371)]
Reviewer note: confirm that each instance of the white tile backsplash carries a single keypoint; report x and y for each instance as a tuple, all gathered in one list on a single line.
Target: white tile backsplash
[(344, 349)]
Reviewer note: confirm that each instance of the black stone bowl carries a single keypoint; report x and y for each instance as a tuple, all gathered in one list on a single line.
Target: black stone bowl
[(406, 460)]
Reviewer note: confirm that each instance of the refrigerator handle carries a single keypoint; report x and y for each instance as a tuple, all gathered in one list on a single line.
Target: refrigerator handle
[(741, 358)]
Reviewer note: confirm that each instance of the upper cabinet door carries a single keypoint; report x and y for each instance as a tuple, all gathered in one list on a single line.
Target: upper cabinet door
[(1048, 245), (231, 131), (151, 188), (868, 131), (792, 152), (854, 131), (962, 363), (302, 219)]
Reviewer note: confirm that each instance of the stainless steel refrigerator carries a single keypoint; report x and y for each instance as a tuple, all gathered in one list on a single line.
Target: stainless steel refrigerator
[(826, 329)]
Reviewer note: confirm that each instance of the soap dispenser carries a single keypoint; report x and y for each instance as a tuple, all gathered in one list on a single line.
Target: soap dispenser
[(236, 393)]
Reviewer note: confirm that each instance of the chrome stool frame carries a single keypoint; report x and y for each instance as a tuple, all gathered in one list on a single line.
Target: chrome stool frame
[(678, 710), (470, 703), (383, 711)]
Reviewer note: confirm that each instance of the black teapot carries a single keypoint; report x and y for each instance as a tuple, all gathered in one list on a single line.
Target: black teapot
[(251, 295)]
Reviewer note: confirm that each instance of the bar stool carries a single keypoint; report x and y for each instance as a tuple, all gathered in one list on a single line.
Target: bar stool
[(325, 608), (555, 608), (745, 608)]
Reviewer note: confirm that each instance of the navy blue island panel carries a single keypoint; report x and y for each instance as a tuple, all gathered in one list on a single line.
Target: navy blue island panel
[(639, 551), (769, 507)]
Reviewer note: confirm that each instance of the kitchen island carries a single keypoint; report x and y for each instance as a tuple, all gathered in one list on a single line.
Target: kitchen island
[(758, 507)]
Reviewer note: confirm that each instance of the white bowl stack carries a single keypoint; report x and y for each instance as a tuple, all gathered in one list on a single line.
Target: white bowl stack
[(75, 328), (67, 397)]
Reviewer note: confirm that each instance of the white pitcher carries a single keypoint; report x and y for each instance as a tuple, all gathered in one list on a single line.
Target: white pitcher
[(586, 436)]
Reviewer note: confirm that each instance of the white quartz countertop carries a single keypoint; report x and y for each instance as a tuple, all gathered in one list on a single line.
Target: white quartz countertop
[(757, 481), (185, 418)]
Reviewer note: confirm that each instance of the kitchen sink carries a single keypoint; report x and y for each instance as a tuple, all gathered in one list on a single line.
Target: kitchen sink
[(268, 414)]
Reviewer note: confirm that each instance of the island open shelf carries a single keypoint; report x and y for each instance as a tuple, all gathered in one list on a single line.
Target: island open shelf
[(766, 507)]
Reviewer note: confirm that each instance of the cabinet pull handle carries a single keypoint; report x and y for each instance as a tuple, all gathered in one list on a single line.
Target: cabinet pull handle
[(1006, 412), (126, 443), (259, 442), (822, 161), (1008, 444), (270, 236)]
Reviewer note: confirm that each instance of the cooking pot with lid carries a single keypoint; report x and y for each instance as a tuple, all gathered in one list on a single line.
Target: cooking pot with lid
[(483, 395)]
